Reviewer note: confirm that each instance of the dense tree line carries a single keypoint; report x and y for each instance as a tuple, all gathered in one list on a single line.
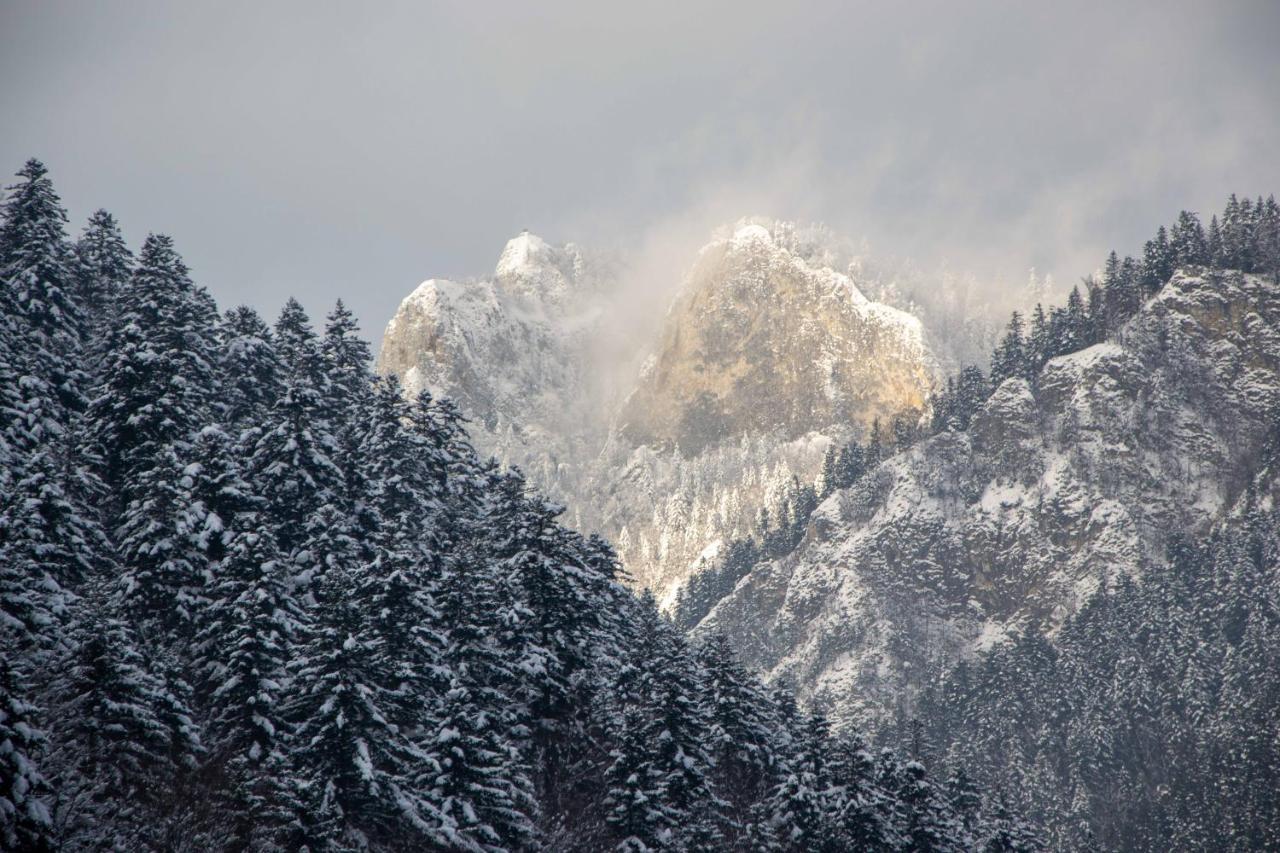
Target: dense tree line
[(1247, 239), (253, 599)]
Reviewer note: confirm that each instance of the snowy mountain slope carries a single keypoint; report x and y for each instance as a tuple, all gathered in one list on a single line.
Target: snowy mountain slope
[(767, 355), (1081, 474)]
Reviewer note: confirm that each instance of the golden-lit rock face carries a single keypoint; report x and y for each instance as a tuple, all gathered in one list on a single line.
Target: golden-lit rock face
[(762, 342)]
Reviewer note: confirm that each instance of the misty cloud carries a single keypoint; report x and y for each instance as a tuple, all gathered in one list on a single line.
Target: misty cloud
[(334, 150)]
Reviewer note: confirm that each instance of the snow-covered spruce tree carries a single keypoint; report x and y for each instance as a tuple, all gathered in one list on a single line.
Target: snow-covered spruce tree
[(863, 814), (47, 520), (634, 808), (346, 355), (1009, 358), (825, 484), (402, 474), (555, 585), (663, 696), (481, 787), (522, 661), (122, 738), (402, 527), (155, 397), (1235, 243), (246, 623), (160, 373), (1158, 261), (441, 423), (39, 273), (49, 536), (370, 664), (251, 370), (1187, 241), (291, 457), (244, 649), (345, 360), (480, 782), (802, 802), (357, 767), (743, 736), (929, 825), (297, 346), (103, 266)]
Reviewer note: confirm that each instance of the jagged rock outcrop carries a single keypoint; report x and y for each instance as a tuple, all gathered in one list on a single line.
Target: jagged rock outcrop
[(760, 341), (1081, 474), (500, 346)]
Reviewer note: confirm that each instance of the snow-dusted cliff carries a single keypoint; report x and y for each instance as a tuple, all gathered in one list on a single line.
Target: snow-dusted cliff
[(761, 341), (1082, 474)]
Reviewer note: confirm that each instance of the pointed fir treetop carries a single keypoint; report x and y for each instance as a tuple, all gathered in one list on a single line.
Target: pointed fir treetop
[(105, 264), (37, 274), (347, 355), (297, 345)]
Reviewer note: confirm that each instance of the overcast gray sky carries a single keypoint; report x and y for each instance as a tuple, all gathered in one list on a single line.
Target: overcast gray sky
[(353, 149)]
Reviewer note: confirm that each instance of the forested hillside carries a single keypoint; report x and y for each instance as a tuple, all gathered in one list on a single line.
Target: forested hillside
[(252, 599), (1067, 581), (1245, 239), (1150, 721)]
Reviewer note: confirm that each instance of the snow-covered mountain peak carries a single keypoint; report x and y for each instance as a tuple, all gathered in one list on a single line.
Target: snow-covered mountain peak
[(533, 269), (747, 234), (522, 253), (767, 336)]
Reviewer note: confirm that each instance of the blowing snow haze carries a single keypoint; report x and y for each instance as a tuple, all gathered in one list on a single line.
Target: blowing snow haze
[(821, 427)]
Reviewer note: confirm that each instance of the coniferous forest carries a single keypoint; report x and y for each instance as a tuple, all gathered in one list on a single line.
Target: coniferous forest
[(253, 599), (1150, 722)]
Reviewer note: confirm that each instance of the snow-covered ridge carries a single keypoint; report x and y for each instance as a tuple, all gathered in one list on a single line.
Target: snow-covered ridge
[(971, 537)]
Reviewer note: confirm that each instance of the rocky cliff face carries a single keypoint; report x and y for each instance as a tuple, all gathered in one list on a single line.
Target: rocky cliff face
[(767, 354), (760, 341), (1079, 475)]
